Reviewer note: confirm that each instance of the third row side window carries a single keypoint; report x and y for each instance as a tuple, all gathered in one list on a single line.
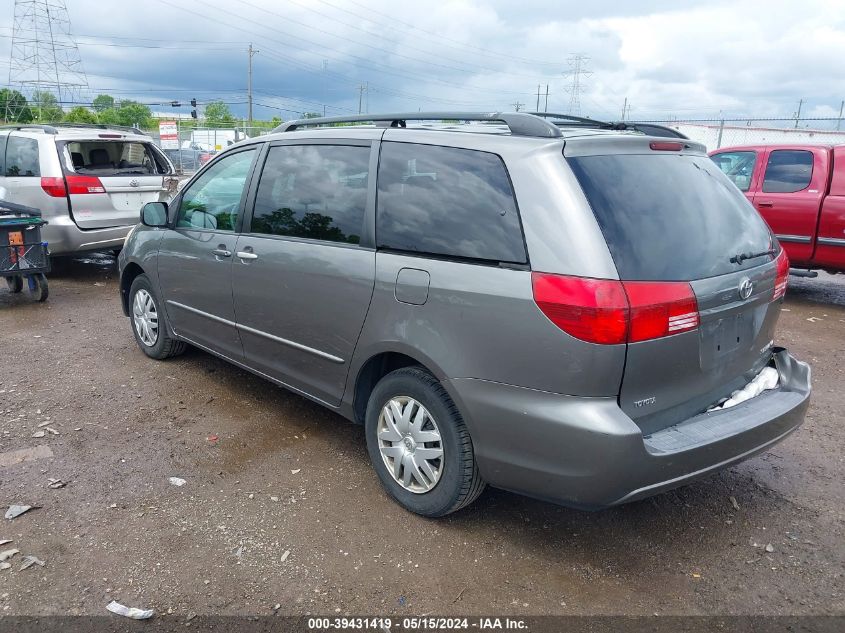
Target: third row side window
[(447, 201)]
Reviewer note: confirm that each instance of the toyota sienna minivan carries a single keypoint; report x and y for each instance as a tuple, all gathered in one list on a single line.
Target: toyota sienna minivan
[(578, 314)]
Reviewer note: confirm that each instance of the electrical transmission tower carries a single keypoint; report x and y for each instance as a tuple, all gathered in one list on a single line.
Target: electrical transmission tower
[(44, 54), (577, 73)]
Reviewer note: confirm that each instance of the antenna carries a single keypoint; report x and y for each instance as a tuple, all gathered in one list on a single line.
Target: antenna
[(577, 72), (44, 54)]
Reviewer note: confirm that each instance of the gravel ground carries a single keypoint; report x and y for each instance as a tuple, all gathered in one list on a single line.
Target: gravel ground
[(283, 512)]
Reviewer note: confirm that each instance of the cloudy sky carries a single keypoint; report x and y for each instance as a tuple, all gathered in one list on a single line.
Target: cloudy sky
[(687, 59)]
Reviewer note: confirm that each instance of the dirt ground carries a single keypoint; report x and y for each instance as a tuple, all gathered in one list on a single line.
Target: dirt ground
[(285, 510)]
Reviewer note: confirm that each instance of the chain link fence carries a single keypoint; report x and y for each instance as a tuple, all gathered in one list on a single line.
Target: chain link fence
[(717, 133)]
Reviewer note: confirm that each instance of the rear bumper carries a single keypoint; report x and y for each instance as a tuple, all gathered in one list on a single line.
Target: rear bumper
[(586, 452), (65, 238)]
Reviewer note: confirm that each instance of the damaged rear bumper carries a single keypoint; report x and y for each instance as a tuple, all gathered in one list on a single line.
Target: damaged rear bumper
[(586, 452)]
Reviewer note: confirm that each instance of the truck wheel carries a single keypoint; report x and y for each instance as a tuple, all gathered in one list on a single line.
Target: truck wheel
[(149, 322), (419, 445), (14, 283)]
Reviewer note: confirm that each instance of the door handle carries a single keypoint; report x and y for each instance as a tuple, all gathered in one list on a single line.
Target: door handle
[(222, 251), (246, 254), (767, 204)]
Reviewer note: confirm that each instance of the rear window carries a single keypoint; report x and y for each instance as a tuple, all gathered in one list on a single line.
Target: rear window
[(114, 158), (447, 201), (670, 218)]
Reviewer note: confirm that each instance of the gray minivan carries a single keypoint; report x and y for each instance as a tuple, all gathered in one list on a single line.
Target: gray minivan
[(581, 315), (88, 181)]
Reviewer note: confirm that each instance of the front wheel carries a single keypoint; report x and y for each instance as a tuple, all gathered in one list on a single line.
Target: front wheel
[(148, 322), (419, 445)]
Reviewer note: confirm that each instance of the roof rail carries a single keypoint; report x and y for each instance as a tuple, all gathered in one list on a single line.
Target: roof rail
[(47, 129), (519, 123), (103, 126)]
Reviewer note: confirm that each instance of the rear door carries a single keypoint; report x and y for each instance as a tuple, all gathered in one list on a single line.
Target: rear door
[(676, 226), (303, 275), (793, 185), (111, 177)]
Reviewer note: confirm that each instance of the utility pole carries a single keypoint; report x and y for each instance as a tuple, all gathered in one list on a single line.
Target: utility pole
[(538, 99), (798, 114), (325, 90), (546, 108), (361, 89), (626, 109), (251, 52), (517, 106), (841, 108)]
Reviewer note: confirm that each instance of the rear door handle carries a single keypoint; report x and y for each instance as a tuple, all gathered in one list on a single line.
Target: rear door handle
[(766, 204), (222, 251), (246, 254)]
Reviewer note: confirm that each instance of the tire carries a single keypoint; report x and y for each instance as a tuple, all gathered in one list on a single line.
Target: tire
[(38, 288), (457, 482), (153, 338), (14, 283)]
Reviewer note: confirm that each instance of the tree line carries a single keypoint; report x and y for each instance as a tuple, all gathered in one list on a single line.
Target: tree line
[(44, 108)]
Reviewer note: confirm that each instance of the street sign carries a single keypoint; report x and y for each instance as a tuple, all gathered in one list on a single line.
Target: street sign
[(168, 131)]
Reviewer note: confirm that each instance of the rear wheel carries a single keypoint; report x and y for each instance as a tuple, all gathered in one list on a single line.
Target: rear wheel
[(14, 283), (149, 322), (38, 288), (419, 445)]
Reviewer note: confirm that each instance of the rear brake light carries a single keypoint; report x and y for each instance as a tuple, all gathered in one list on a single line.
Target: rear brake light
[(593, 310), (54, 187), (666, 146), (84, 184), (660, 309), (610, 312), (782, 275)]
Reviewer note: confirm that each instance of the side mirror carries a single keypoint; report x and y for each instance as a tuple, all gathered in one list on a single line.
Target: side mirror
[(154, 214)]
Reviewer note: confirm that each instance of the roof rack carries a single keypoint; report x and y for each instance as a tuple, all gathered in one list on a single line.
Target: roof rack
[(54, 127), (577, 121), (519, 123)]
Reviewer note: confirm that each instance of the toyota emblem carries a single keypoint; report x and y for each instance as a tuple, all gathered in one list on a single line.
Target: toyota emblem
[(134, 182), (745, 288)]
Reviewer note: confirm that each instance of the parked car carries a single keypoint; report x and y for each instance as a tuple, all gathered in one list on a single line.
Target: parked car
[(800, 191), (188, 159), (89, 182), (549, 310)]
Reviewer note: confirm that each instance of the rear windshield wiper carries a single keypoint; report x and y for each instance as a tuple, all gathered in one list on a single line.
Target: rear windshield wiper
[(738, 259)]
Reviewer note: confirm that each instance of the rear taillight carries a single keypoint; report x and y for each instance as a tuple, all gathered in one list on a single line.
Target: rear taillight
[(84, 184), (56, 188), (660, 309), (610, 312), (782, 275), (594, 310)]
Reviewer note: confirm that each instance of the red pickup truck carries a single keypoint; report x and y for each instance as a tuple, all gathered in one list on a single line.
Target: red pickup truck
[(800, 191)]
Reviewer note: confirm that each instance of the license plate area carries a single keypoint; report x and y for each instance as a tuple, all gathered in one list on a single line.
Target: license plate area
[(721, 339)]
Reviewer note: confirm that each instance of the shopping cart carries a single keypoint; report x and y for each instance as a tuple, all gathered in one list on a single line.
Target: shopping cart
[(23, 256)]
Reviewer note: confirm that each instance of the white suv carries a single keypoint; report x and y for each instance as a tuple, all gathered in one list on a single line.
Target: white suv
[(89, 182)]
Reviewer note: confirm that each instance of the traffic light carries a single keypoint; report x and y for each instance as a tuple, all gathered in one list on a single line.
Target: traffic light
[(194, 106)]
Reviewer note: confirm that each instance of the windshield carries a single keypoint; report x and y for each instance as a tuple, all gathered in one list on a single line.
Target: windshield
[(113, 158), (671, 217)]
